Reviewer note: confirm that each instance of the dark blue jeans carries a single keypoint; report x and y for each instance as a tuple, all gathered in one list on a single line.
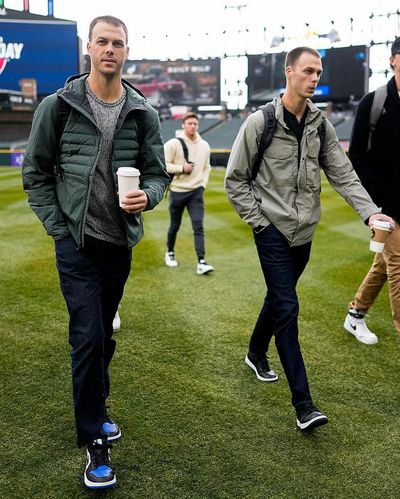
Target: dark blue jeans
[(92, 281), (282, 266), (194, 202)]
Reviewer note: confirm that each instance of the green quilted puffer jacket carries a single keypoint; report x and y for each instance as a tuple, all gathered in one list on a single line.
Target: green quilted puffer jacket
[(59, 196)]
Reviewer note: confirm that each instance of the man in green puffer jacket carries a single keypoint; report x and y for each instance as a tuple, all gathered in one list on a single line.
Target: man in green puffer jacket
[(72, 187)]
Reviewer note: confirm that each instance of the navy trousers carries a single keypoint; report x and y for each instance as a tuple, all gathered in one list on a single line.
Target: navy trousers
[(282, 266), (92, 281)]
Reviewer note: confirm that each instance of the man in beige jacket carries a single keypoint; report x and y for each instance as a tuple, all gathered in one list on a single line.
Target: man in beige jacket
[(188, 160), (282, 206)]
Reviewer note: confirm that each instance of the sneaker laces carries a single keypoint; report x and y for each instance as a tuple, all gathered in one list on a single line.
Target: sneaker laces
[(100, 454), (263, 364), (306, 408)]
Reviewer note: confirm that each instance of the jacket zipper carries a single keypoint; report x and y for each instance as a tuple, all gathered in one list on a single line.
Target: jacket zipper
[(89, 190)]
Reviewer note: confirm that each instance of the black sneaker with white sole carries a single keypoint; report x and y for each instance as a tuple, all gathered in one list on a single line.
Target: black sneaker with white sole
[(309, 417), (98, 472), (260, 366)]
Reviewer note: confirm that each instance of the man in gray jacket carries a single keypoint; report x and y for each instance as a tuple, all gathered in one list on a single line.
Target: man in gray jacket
[(72, 187), (282, 206)]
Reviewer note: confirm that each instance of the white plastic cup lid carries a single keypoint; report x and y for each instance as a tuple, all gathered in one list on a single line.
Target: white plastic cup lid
[(380, 224), (128, 171)]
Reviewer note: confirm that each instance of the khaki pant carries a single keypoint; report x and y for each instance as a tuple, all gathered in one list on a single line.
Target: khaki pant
[(385, 267)]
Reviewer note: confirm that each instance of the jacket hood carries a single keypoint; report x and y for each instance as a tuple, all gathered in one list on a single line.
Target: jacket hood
[(196, 139), (75, 87)]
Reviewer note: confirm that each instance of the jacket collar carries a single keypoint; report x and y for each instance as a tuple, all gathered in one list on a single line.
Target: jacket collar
[(74, 93), (314, 115)]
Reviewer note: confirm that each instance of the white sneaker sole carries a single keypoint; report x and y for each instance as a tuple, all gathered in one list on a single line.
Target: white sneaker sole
[(313, 423), (371, 340), (97, 485), (115, 437), (203, 272), (253, 367)]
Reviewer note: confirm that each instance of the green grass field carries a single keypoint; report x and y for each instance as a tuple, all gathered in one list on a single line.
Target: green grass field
[(196, 423)]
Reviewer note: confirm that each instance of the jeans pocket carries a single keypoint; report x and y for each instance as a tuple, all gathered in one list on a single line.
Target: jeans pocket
[(261, 232)]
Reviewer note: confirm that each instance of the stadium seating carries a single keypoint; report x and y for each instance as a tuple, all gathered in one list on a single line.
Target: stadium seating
[(343, 129)]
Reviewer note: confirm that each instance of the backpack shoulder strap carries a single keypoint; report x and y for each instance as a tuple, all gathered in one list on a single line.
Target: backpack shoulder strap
[(321, 133), (377, 110), (266, 137), (63, 112), (139, 120), (185, 149)]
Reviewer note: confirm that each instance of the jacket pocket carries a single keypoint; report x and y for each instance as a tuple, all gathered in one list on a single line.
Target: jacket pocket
[(72, 193), (281, 163)]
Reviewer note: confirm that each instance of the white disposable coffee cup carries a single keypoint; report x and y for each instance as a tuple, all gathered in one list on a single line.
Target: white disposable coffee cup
[(128, 180), (380, 231)]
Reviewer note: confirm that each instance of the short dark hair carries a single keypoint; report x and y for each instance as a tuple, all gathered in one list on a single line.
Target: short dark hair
[(396, 46), (189, 115), (109, 20), (395, 49), (293, 55)]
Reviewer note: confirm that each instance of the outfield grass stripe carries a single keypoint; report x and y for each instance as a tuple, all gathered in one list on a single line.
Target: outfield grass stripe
[(196, 423), (353, 230)]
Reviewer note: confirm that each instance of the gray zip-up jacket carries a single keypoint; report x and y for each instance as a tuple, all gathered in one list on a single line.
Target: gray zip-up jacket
[(287, 189)]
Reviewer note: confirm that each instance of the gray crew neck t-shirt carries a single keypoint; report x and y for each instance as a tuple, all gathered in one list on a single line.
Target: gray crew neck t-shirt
[(104, 220)]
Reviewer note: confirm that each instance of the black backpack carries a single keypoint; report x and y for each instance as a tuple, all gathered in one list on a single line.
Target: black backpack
[(268, 134), (377, 110), (185, 154)]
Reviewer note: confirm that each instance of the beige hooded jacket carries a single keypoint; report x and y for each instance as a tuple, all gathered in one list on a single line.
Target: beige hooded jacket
[(199, 153)]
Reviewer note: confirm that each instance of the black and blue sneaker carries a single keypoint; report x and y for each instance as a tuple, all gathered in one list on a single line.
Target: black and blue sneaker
[(98, 472), (112, 429)]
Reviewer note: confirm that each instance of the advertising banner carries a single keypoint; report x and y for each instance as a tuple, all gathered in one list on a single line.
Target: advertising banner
[(345, 75), (180, 82), (44, 51)]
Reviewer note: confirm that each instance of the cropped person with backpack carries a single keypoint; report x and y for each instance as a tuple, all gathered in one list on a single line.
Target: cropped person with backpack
[(373, 152), (188, 162), (69, 173), (281, 203)]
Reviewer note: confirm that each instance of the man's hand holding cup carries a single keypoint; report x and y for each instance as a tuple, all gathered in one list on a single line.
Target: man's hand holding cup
[(381, 226), (135, 201), (131, 198)]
